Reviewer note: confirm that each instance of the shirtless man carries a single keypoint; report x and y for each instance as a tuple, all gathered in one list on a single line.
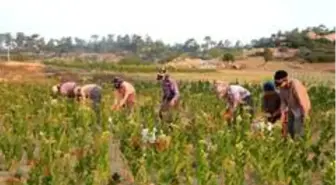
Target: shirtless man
[(295, 103), (235, 95), (170, 90), (64, 89), (124, 94)]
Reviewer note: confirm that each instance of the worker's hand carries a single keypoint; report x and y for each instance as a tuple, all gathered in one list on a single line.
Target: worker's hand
[(227, 114), (172, 103), (115, 107), (284, 117)]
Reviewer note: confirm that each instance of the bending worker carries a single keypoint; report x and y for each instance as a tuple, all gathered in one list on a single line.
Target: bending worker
[(89, 92), (124, 94), (271, 102), (235, 95), (170, 90), (64, 89)]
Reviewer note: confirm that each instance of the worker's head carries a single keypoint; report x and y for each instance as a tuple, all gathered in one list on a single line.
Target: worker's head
[(117, 82), (281, 79), (221, 88), (162, 74), (77, 92), (268, 87), (55, 89)]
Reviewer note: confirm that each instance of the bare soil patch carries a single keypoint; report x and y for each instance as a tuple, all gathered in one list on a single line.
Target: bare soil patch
[(13, 71)]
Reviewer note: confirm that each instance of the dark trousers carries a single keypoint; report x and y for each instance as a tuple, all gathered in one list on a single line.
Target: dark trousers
[(295, 125), (95, 97)]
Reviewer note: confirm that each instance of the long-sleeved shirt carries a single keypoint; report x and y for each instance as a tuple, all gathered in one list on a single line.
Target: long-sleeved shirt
[(235, 94), (295, 98)]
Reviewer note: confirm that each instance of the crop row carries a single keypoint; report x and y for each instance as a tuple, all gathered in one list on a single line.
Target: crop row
[(64, 143)]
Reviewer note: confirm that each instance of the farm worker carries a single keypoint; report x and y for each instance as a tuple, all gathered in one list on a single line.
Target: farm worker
[(170, 91), (295, 102), (235, 95), (89, 92), (64, 89), (124, 94), (271, 102)]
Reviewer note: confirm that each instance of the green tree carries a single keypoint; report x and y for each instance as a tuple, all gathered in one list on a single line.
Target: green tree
[(228, 57)]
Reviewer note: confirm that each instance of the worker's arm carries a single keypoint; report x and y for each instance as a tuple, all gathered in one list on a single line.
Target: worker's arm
[(302, 96), (83, 96), (176, 90), (116, 99), (128, 91), (283, 108), (234, 100), (278, 110)]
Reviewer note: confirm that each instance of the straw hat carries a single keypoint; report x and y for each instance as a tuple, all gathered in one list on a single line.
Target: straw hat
[(221, 86), (55, 88)]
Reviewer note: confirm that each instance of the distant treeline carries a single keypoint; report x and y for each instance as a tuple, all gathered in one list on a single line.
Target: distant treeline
[(318, 49)]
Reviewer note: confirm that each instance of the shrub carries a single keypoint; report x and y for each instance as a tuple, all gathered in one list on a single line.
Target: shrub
[(132, 60), (318, 55), (268, 55), (228, 57), (214, 53)]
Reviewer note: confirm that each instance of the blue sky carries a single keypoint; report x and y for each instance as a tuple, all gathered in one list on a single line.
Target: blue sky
[(169, 20)]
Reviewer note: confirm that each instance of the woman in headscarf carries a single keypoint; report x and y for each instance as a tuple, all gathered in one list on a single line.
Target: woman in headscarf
[(235, 95), (271, 102)]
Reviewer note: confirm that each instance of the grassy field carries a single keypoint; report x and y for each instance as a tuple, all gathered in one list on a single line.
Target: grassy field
[(45, 143)]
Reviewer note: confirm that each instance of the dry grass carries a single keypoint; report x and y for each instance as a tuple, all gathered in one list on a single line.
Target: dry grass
[(21, 72), (36, 72), (240, 76)]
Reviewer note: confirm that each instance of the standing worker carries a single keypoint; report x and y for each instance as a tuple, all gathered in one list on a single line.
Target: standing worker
[(170, 90), (65, 89), (295, 103), (271, 102), (235, 95), (124, 94)]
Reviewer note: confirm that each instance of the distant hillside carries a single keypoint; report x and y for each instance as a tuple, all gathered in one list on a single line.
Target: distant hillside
[(314, 44)]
